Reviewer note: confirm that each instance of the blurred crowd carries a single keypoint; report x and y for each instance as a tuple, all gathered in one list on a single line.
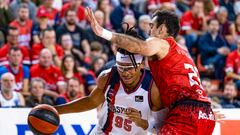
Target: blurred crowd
[(49, 53)]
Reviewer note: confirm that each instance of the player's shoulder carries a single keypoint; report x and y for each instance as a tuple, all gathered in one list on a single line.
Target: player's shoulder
[(105, 74)]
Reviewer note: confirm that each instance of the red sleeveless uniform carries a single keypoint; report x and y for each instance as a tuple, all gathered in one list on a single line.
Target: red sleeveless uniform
[(177, 79)]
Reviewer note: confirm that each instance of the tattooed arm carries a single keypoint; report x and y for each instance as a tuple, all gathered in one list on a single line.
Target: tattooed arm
[(149, 47)]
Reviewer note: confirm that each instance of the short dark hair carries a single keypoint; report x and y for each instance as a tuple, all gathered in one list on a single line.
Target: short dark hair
[(170, 19), (10, 28), (47, 29), (212, 19), (14, 49)]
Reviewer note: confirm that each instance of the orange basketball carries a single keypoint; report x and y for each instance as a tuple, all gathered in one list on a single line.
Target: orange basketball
[(43, 119)]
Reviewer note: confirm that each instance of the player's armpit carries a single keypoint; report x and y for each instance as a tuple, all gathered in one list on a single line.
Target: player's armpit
[(155, 98)]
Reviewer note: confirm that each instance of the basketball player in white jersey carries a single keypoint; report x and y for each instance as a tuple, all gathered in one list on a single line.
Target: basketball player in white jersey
[(8, 97), (129, 97)]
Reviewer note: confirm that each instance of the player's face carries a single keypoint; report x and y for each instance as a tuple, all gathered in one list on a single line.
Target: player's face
[(15, 57), (37, 89), (154, 31), (128, 73)]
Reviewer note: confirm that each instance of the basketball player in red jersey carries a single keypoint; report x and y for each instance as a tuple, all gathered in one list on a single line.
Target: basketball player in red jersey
[(174, 72)]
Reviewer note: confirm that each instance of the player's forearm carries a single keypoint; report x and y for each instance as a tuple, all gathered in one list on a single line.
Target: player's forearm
[(79, 105), (128, 43)]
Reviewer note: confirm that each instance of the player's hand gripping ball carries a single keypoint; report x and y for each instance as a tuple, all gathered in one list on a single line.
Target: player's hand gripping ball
[(43, 120)]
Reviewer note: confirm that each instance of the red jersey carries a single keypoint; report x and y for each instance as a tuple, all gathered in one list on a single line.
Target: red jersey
[(4, 51), (51, 14), (76, 75), (188, 21), (51, 75), (233, 62), (68, 99), (36, 49), (176, 76), (25, 30), (80, 11)]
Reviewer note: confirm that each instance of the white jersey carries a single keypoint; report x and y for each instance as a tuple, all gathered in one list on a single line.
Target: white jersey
[(13, 102), (112, 118)]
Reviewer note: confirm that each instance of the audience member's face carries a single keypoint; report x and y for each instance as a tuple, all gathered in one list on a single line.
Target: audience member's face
[(238, 45), (48, 3), (197, 8), (104, 4), (99, 17), (144, 25), (238, 19), (45, 59), (7, 83), (131, 21), (71, 18), (49, 38), (67, 42), (207, 85), (13, 37), (43, 22), (73, 88), (23, 14), (126, 2), (98, 64), (69, 64), (15, 57), (214, 26), (76, 3), (230, 91), (222, 17), (37, 89)]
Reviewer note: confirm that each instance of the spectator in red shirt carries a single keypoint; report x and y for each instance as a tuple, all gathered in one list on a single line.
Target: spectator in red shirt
[(24, 25), (193, 23), (12, 41), (51, 12), (47, 71), (75, 5), (233, 65), (20, 72), (48, 41), (74, 91)]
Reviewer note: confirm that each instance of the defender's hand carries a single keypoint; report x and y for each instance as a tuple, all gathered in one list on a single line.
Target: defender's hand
[(98, 30)]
